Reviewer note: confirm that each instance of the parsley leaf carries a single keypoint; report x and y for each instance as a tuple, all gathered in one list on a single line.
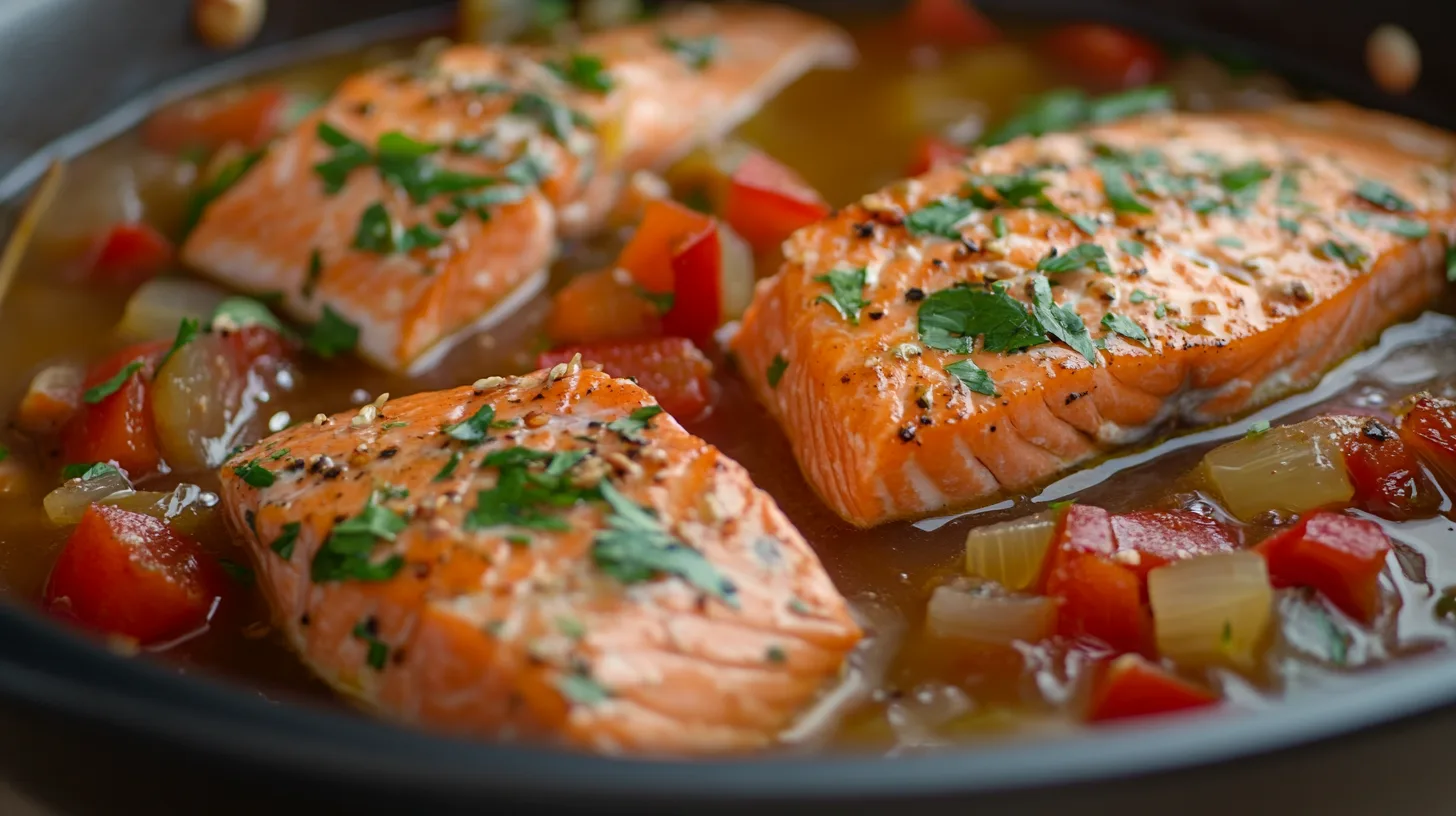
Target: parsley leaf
[(1124, 326), (255, 474), (1404, 227), (475, 428), (230, 174), (186, 331), (554, 117), (376, 231), (1115, 187), (1451, 263), (522, 495), (1059, 321), (86, 471), (778, 365), (585, 71), (696, 52), (972, 376), (1131, 247), (1078, 257), (345, 554), (1351, 255), (1382, 196), (1258, 428), (287, 538), (939, 218), (998, 226), (1243, 177), (846, 292), (582, 689), (632, 425), (1068, 108), (1289, 225), (449, 469), (112, 384), (332, 335), (378, 654), (951, 319), (1139, 296), (1148, 99), (348, 156), (315, 270), (636, 547)]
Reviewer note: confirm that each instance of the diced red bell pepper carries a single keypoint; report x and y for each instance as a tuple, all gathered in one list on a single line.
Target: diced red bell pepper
[(117, 427), (767, 202), (1161, 536), (1103, 56), (1430, 428), (697, 288), (1388, 478), (1132, 687), (1099, 597), (664, 228), (933, 151), (1338, 555), (130, 254), (671, 369), (596, 307), (948, 24), (250, 118), (129, 574)]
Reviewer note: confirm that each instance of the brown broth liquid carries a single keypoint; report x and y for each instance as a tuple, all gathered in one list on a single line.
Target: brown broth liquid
[(847, 133)]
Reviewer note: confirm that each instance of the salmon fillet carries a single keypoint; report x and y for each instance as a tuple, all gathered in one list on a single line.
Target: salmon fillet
[(1183, 267), (416, 241), (540, 556)]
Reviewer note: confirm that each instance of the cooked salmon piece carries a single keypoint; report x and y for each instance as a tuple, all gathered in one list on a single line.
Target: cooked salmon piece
[(426, 200), (985, 327), (547, 556)]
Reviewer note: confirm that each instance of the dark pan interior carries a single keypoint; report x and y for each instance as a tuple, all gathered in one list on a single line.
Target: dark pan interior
[(89, 730)]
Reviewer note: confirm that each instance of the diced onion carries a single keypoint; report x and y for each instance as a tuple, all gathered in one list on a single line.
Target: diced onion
[(188, 509), (1010, 553), (160, 304), (985, 616), (54, 396), (1213, 609), (65, 505), (737, 270), (1293, 469)]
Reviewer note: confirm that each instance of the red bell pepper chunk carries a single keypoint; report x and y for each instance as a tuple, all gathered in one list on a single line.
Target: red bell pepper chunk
[(948, 24), (1104, 56), (1099, 596), (767, 202), (1429, 427), (1388, 478), (117, 426), (250, 118), (697, 288), (130, 254), (933, 151), (1161, 536), (1338, 555), (671, 369), (129, 574), (1133, 687), (665, 226)]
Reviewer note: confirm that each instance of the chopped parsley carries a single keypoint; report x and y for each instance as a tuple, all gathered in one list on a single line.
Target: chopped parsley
[(1404, 227), (287, 538), (972, 376), (405, 163), (554, 117), (186, 331), (345, 554), (1139, 296), (278, 454), (998, 226), (1229, 242), (527, 171), (112, 384), (585, 71), (582, 689), (230, 174), (1288, 195), (1351, 255), (1131, 247), (449, 469), (1115, 187), (1069, 108), (778, 365), (368, 631), (1289, 225), (524, 494), (570, 627), (1125, 326), (315, 271), (1078, 257), (775, 654), (348, 156), (332, 335), (636, 547), (846, 292), (939, 218), (255, 474), (1258, 428), (696, 52), (631, 426), (1451, 263), (475, 428), (1059, 321), (1013, 189), (86, 471), (1382, 196), (951, 319), (1244, 177), (376, 232)]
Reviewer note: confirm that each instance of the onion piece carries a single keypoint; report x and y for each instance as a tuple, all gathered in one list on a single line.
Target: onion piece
[(54, 396), (737, 273), (65, 505), (1213, 610), (203, 405), (985, 615), (1011, 552), (188, 509), (159, 305), (1292, 468)]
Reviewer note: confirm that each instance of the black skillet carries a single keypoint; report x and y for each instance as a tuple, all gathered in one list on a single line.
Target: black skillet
[(94, 733)]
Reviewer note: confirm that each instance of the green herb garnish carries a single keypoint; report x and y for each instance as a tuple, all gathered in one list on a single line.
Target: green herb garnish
[(332, 335), (1082, 256), (636, 547), (939, 218), (951, 319), (972, 376), (582, 689), (585, 71), (1131, 247), (1125, 326), (1382, 196), (287, 538), (112, 384), (449, 469), (378, 654), (1404, 227), (1115, 187), (1244, 177), (846, 292), (230, 174), (186, 331), (1350, 254), (255, 474), (778, 365), (240, 573), (476, 428), (1059, 321), (86, 471), (631, 426), (696, 52), (345, 554)]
